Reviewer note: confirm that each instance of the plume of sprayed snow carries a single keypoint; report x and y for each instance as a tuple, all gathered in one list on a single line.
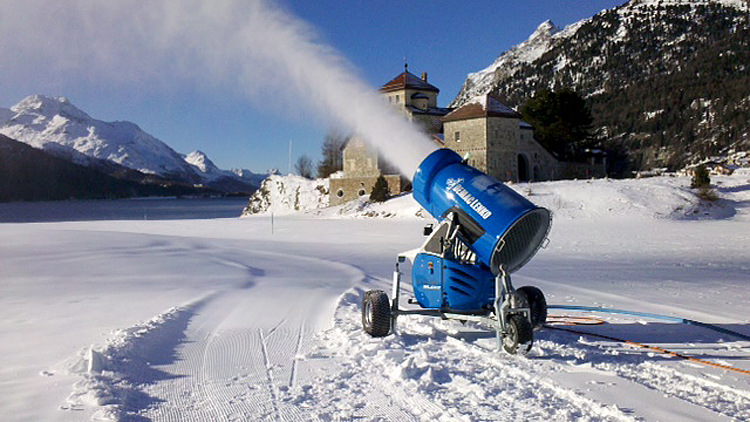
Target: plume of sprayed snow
[(225, 44)]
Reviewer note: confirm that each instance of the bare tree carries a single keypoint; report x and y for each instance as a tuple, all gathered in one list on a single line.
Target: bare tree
[(332, 153), (304, 166)]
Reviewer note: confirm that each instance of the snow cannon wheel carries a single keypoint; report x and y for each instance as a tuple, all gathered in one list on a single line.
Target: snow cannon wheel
[(537, 304), (519, 335), (376, 313)]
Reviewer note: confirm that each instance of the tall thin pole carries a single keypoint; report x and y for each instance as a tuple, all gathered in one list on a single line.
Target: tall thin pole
[(289, 169)]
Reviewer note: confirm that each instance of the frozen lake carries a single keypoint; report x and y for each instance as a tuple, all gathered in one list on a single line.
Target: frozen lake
[(122, 209)]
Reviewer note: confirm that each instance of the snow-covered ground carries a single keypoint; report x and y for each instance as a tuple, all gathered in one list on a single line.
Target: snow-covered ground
[(257, 318)]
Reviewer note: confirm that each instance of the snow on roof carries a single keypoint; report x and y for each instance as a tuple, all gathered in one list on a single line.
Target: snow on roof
[(485, 105), (432, 111)]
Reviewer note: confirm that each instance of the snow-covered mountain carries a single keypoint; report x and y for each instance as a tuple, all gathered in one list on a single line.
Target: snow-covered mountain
[(59, 127), (225, 180), (505, 66), (668, 81)]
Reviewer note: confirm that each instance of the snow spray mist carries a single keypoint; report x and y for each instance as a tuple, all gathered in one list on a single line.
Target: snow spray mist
[(247, 45)]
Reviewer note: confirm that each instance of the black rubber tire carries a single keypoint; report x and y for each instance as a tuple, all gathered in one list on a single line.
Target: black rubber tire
[(519, 335), (376, 313), (537, 304)]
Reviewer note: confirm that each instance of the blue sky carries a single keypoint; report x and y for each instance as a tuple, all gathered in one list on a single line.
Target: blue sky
[(447, 39)]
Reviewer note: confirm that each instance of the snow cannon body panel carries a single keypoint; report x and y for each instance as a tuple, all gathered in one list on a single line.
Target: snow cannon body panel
[(499, 225), (446, 284)]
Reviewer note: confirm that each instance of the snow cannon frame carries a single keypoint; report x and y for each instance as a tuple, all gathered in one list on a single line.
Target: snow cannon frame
[(462, 271)]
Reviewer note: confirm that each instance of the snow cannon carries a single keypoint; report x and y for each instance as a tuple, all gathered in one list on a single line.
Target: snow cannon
[(485, 231), (499, 225)]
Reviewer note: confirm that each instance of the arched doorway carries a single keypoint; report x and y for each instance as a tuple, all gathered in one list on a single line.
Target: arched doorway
[(523, 168)]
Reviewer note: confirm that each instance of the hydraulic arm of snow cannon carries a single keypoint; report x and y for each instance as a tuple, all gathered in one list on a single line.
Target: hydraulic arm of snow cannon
[(502, 228)]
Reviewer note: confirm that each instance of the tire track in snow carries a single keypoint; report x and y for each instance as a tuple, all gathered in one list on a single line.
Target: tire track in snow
[(639, 368)]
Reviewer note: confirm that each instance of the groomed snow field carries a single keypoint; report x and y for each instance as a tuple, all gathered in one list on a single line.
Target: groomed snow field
[(258, 318)]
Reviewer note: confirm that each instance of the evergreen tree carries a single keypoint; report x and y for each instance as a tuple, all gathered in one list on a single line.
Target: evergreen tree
[(701, 178), (380, 191), (561, 120)]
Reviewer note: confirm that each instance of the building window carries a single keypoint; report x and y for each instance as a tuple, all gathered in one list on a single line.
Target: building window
[(362, 192), (457, 136), (340, 193), (397, 98)]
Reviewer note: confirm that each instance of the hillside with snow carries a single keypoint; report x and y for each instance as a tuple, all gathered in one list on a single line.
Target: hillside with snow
[(258, 318), (59, 127), (629, 62)]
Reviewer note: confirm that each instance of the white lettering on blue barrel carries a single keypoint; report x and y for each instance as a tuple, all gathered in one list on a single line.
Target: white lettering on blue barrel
[(454, 185)]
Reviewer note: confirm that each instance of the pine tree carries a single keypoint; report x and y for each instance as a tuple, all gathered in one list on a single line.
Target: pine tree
[(701, 178), (380, 191), (561, 120)]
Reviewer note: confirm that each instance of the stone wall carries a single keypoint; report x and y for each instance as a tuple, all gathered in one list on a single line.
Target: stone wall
[(348, 188), (468, 136), (542, 164), (502, 148), (359, 159)]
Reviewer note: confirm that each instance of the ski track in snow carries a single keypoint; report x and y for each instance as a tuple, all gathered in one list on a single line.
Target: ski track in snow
[(244, 365), (220, 358)]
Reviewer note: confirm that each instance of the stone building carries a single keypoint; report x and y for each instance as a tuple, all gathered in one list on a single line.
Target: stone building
[(362, 166), (496, 141), (490, 134), (417, 99)]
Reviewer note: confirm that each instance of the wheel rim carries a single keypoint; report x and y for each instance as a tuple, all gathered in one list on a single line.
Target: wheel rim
[(368, 313), (510, 341)]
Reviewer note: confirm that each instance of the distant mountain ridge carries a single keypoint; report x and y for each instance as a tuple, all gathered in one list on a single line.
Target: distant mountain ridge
[(32, 174), (57, 126), (668, 81)]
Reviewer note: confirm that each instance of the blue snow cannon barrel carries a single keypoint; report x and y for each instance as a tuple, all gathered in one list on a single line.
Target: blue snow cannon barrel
[(500, 226)]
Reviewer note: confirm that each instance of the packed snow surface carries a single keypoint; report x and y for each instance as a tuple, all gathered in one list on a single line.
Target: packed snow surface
[(258, 318)]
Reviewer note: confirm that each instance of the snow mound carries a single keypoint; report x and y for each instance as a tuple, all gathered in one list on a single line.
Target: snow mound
[(399, 207), (112, 373), (283, 195), (287, 195), (657, 197)]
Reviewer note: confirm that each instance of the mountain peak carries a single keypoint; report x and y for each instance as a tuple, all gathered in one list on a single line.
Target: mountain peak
[(49, 107), (546, 28), (200, 160)]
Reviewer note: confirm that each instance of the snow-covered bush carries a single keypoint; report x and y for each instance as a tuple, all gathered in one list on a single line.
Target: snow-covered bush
[(288, 194)]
